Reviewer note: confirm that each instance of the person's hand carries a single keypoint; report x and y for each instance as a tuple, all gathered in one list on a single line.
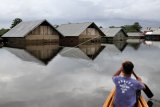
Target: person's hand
[(139, 79), (121, 68)]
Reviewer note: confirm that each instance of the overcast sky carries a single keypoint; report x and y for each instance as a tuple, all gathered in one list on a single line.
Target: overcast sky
[(102, 12)]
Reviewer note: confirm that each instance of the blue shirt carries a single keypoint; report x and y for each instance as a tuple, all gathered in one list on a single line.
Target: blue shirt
[(126, 88)]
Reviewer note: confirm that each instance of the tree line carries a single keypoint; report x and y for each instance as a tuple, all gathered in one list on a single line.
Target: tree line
[(14, 23), (135, 27)]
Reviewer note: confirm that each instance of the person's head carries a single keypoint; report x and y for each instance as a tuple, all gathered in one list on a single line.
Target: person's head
[(127, 67)]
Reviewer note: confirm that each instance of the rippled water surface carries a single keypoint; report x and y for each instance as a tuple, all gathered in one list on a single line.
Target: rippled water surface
[(55, 76)]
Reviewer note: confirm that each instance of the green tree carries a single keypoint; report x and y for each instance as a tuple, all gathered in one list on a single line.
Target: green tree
[(15, 22), (3, 31), (136, 27)]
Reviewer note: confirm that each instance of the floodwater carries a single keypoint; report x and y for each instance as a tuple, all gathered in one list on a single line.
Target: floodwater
[(56, 76)]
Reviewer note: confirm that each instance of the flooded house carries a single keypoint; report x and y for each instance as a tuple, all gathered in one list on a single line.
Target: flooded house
[(32, 32), (114, 34), (76, 33), (135, 35), (1, 42), (155, 35)]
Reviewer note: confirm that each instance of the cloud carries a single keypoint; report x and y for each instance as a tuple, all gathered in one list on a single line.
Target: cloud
[(80, 10)]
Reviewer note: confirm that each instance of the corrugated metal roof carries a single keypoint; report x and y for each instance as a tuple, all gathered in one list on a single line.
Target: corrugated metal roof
[(73, 29), (134, 34), (156, 32), (110, 32), (23, 28)]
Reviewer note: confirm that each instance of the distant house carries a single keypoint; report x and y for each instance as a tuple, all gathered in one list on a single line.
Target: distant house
[(135, 35), (144, 30), (75, 33), (1, 40), (155, 35), (115, 34), (40, 31)]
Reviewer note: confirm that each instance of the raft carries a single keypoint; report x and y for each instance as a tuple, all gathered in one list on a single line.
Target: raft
[(110, 99)]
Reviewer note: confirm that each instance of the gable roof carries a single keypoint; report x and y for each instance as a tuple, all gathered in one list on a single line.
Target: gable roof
[(75, 29), (23, 28), (111, 32)]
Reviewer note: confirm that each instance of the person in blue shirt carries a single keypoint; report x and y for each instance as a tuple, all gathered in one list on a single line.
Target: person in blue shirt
[(126, 87)]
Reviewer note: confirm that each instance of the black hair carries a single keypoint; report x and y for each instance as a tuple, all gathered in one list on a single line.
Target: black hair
[(128, 67)]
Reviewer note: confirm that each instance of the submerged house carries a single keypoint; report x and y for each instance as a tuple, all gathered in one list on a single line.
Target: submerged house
[(75, 33), (1, 40), (155, 35), (115, 34), (135, 35), (40, 31)]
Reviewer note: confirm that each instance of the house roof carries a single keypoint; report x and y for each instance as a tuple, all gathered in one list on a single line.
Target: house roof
[(75, 29), (23, 28), (156, 32), (135, 34), (111, 32)]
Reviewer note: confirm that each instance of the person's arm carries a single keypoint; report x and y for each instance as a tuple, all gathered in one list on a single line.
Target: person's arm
[(139, 79), (118, 72)]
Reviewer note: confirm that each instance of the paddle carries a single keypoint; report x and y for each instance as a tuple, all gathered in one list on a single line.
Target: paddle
[(147, 91)]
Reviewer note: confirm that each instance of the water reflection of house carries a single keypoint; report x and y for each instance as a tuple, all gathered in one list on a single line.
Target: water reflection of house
[(135, 35), (87, 52), (155, 35), (92, 50), (75, 33), (120, 45), (40, 31), (153, 43), (112, 49), (116, 34), (41, 54), (134, 43)]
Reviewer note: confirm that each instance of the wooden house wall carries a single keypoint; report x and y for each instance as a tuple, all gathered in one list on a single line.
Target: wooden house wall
[(135, 37), (152, 37), (69, 41), (90, 33), (120, 36), (43, 33)]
